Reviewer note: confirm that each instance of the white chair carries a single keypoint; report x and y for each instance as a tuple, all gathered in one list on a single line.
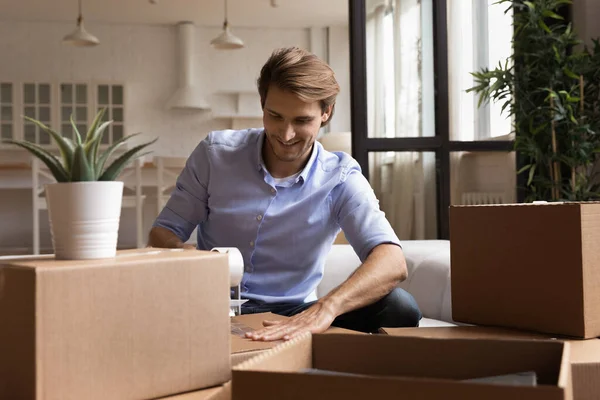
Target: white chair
[(167, 172), (40, 175)]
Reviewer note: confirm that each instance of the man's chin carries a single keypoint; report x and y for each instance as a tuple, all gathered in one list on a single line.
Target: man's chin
[(286, 157)]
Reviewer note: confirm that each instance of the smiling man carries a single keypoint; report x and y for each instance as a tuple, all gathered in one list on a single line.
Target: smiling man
[(279, 197)]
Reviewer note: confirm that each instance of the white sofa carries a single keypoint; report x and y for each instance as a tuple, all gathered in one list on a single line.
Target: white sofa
[(428, 279)]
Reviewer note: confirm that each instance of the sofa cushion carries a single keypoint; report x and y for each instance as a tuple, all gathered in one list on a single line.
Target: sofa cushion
[(428, 263)]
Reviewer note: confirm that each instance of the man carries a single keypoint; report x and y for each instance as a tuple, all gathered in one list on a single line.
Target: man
[(281, 199)]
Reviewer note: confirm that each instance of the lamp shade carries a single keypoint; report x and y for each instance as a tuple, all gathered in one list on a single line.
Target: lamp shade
[(81, 37), (227, 40)]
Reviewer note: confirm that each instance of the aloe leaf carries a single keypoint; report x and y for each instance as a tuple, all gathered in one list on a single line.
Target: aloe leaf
[(114, 170), (108, 152), (92, 131), (77, 134), (91, 147), (65, 145), (53, 163), (81, 171)]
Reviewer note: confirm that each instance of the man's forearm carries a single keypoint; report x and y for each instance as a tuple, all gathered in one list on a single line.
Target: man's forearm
[(165, 238), (383, 269)]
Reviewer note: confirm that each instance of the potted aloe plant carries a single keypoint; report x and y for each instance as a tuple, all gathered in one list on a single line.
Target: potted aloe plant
[(84, 205)]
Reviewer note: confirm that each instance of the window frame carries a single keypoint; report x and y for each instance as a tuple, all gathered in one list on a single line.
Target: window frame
[(18, 107)]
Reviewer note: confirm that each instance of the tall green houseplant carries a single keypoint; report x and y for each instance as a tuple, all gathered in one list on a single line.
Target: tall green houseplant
[(550, 88)]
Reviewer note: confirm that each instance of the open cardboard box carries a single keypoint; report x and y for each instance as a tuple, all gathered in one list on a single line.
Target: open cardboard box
[(144, 324), (383, 366), (585, 354)]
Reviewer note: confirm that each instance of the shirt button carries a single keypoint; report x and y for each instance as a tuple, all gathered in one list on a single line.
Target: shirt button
[(273, 190), (251, 244), (259, 217)]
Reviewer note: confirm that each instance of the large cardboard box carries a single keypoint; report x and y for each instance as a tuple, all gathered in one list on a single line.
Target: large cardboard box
[(528, 266), (380, 366), (243, 349), (585, 354), (144, 324)]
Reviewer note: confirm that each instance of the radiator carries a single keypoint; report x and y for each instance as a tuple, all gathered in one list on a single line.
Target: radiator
[(473, 198)]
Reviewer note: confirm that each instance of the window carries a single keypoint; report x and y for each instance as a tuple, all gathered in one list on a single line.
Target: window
[(6, 111), (36, 104), (479, 36), (74, 102), (111, 98), (54, 104), (389, 75)]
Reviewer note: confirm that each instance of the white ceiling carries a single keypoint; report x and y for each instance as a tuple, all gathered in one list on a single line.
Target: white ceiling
[(242, 13)]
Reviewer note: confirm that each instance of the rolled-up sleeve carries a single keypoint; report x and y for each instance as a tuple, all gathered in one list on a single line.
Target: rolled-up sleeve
[(358, 214), (188, 205)]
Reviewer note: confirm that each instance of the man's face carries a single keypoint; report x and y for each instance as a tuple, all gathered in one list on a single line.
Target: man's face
[(291, 125)]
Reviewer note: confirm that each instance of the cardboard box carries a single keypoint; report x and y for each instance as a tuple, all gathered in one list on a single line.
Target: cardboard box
[(243, 349), (528, 266), (585, 354), (381, 366), (144, 324), (217, 393)]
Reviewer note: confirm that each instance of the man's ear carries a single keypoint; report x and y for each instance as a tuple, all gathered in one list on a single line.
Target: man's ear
[(326, 114)]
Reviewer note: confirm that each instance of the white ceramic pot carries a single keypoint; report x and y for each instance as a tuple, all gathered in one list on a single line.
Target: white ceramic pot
[(84, 218)]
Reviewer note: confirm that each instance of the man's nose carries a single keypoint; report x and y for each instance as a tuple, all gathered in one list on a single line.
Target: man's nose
[(288, 133)]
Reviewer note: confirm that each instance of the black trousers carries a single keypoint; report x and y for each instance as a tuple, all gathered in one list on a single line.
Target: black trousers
[(397, 309)]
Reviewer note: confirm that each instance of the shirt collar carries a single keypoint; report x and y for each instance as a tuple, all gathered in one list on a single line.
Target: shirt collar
[(303, 175)]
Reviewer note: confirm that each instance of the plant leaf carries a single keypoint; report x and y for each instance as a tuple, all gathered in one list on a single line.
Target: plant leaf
[(65, 145), (531, 174), (525, 168), (77, 134), (543, 25), (114, 170), (108, 152), (91, 147), (46, 157), (81, 171), (570, 73), (91, 132), (551, 14)]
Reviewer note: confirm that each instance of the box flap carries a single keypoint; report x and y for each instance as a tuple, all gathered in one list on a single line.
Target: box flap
[(251, 322), (248, 323), (455, 358), (466, 332), (215, 393), (585, 351)]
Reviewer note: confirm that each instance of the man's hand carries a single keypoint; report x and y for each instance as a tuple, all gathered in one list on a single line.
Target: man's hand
[(315, 319)]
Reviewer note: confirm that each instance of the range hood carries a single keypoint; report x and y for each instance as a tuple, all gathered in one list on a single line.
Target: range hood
[(188, 95)]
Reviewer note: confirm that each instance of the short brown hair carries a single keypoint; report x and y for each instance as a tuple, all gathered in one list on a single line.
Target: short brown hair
[(303, 74)]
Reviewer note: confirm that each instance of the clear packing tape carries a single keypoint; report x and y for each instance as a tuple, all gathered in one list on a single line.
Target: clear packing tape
[(236, 264)]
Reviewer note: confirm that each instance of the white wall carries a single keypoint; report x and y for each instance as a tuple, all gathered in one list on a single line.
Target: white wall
[(339, 60), (144, 58)]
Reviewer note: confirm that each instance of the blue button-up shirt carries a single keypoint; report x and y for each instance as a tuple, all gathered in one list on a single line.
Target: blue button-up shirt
[(283, 232)]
